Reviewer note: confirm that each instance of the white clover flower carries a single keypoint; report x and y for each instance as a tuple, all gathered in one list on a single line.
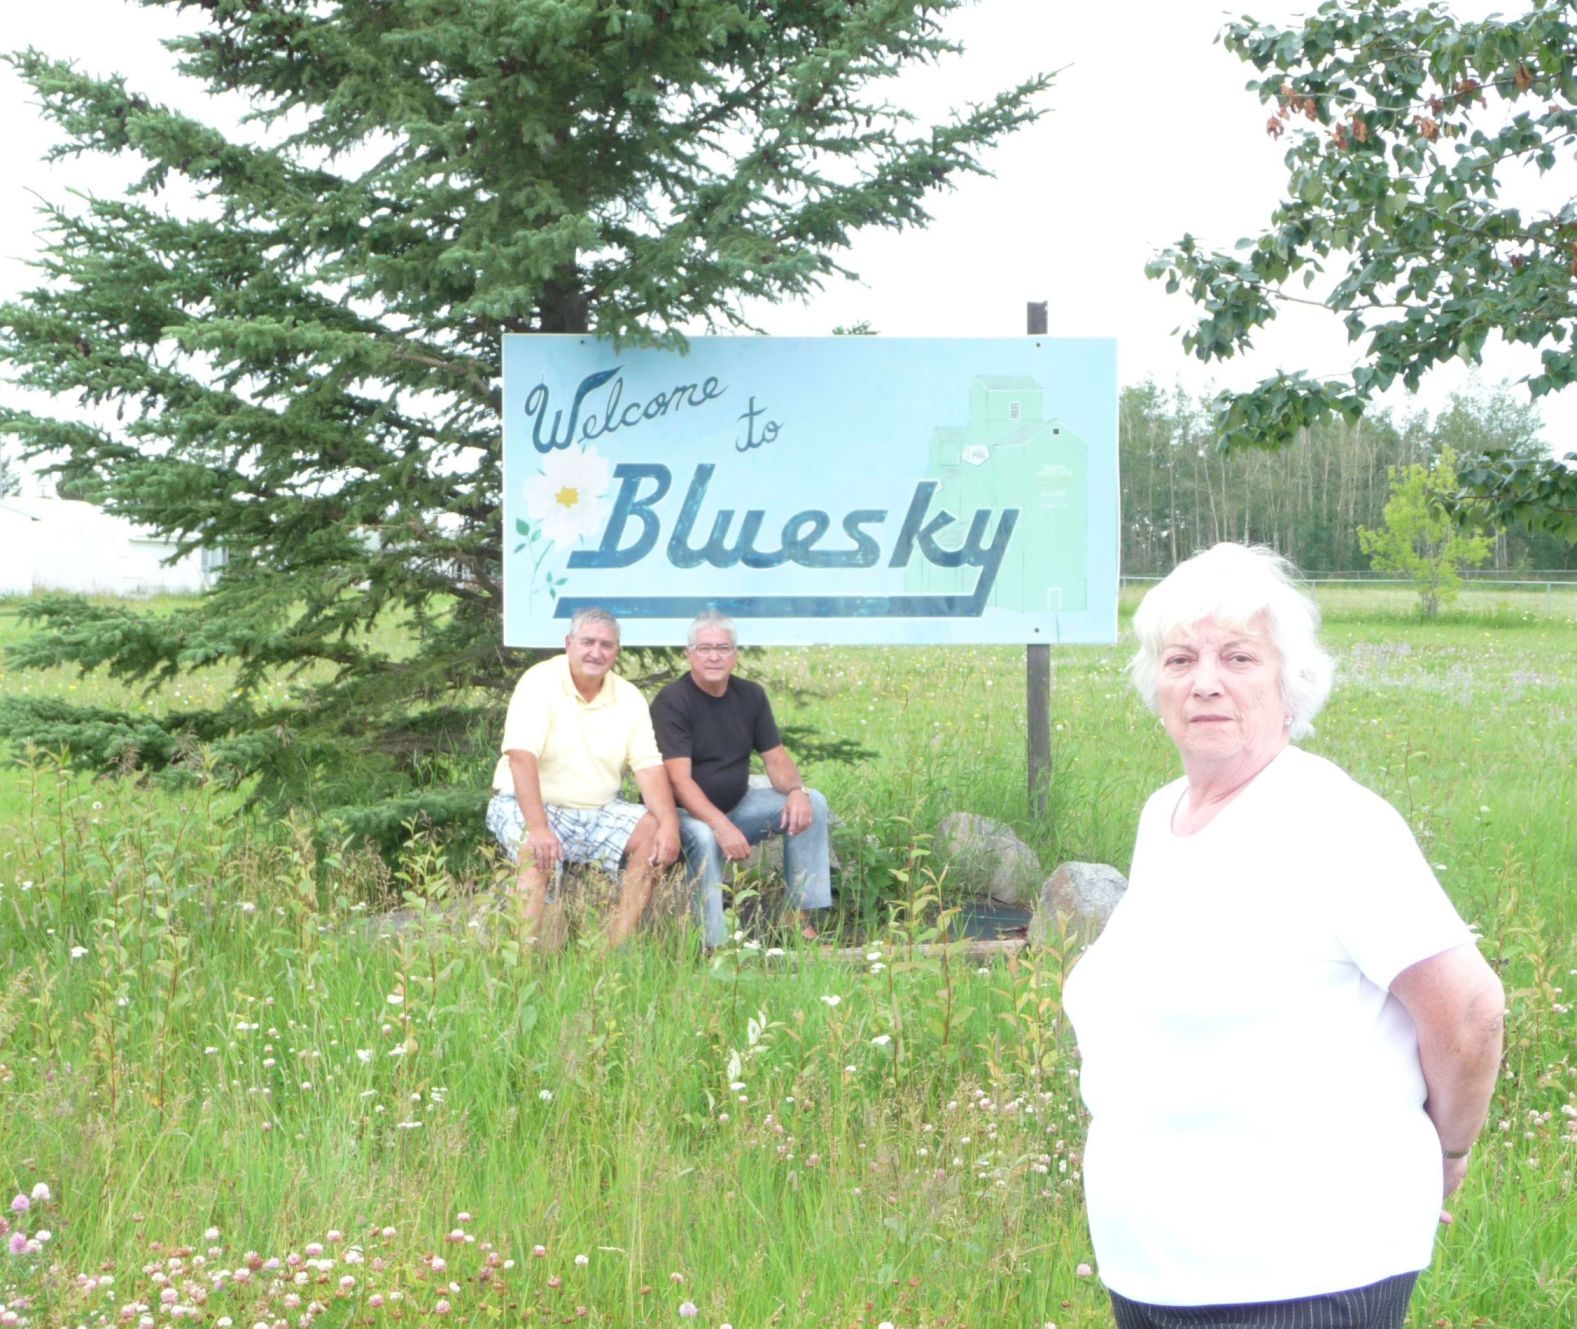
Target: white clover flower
[(882, 1040), (832, 999)]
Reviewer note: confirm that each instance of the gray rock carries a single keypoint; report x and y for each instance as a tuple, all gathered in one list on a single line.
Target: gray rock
[(987, 858), (1077, 900)]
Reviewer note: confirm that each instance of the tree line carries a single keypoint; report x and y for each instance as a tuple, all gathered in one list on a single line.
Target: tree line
[(1181, 492)]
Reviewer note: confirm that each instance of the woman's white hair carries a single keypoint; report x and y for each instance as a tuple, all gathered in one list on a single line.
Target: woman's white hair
[(1234, 584)]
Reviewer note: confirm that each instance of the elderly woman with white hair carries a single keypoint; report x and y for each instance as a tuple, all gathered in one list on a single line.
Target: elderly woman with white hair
[(1289, 1038)]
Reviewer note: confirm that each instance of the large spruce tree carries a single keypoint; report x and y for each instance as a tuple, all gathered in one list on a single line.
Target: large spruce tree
[(303, 364)]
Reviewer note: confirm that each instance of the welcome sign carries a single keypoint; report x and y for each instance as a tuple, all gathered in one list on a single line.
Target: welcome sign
[(840, 490)]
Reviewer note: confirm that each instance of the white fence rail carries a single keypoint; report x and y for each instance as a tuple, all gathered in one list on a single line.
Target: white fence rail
[(1560, 581)]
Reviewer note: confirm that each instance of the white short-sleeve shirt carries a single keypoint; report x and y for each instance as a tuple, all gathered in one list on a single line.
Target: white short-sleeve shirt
[(1258, 1131)]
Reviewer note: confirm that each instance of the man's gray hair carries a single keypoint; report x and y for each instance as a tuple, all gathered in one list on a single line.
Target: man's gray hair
[(1234, 584), (592, 614), (711, 618)]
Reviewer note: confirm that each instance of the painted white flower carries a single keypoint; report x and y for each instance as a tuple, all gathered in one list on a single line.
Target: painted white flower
[(566, 498)]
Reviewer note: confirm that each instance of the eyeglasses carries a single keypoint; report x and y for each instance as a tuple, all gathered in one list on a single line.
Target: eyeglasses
[(712, 650)]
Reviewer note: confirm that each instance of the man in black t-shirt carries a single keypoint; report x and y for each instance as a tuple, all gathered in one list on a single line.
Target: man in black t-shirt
[(708, 723)]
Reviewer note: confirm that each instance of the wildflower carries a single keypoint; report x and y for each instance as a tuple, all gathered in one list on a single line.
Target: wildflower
[(832, 999), (77, 952), (462, 1217), (375, 1301), (364, 1055), (546, 1095), (441, 1306), (539, 1251), (1083, 1271), (247, 907), (19, 1243), (41, 1192), (564, 497), (555, 1281), (688, 1310), (882, 1040), (676, 1278), (20, 1205), (582, 1260)]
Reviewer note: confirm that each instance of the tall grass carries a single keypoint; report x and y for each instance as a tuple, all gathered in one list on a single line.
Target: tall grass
[(208, 1026)]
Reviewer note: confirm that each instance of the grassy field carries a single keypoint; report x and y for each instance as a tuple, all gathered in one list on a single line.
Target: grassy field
[(249, 1106)]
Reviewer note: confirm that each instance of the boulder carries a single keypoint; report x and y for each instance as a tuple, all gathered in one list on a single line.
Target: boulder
[(987, 858), (1076, 900)]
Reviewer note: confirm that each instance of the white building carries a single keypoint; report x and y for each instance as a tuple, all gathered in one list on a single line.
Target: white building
[(60, 544)]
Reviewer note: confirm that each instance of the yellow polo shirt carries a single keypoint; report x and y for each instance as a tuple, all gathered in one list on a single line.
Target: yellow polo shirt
[(581, 747)]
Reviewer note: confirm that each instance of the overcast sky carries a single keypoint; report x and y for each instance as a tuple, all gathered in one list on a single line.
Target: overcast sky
[(1149, 134)]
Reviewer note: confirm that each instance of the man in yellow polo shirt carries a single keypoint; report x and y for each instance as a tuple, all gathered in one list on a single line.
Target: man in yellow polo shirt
[(573, 728)]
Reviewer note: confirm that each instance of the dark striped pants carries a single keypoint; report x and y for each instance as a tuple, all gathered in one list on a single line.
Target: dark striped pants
[(1381, 1305)]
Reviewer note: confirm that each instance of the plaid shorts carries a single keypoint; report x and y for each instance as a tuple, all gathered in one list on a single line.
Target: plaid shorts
[(589, 835)]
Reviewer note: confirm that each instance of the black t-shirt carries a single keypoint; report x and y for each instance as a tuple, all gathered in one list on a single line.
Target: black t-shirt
[(718, 734)]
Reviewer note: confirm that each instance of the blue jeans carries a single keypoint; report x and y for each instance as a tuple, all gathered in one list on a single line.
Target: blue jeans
[(757, 815)]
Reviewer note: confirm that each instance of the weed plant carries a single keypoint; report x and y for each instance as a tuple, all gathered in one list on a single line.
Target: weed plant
[(233, 1091)]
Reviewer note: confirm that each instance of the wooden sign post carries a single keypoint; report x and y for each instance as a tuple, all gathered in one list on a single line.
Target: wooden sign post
[(1037, 668)]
